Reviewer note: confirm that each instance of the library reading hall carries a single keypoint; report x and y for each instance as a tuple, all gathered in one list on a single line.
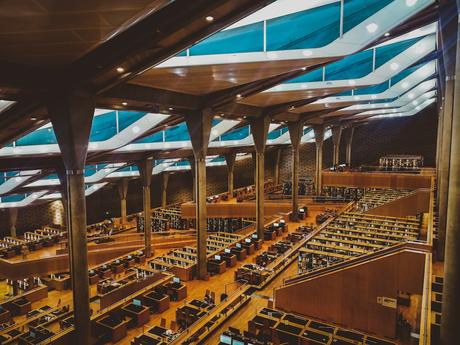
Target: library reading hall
[(229, 172)]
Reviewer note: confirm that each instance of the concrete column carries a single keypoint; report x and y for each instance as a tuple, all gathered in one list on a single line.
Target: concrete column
[(122, 186), (336, 137), (295, 132), (448, 34), (199, 127), (164, 189), (230, 159), (13, 213), (259, 130), (192, 171), (349, 142), (277, 167), (71, 114), (450, 330), (145, 170), (319, 140)]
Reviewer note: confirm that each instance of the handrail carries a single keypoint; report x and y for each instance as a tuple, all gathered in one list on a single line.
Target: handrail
[(425, 327)]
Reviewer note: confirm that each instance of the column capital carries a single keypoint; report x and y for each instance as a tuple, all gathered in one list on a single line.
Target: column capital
[(145, 170), (199, 128), (295, 132), (71, 113), (259, 131), (122, 186), (230, 159), (319, 134)]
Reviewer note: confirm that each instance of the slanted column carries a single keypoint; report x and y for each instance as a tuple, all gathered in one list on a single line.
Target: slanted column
[(336, 137), (277, 167), (164, 189), (122, 186), (145, 170), (295, 132), (348, 143), (199, 127), (71, 114), (259, 130), (450, 330), (319, 140), (230, 159), (13, 213)]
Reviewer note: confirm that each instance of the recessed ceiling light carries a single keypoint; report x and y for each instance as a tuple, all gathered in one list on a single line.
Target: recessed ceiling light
[(239, 96), (352, 82), (245, 117), (394, 66), (307, 53), (304, 68), (124, 104), (387, 34), (411, 3), (209, 19), (372, 27), (170, 108), (33, 118), (136, 129), (291, 107), (120, 69)]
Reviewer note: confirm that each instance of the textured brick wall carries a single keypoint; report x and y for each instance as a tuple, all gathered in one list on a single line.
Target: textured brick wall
[(32, 217), (410, 135)]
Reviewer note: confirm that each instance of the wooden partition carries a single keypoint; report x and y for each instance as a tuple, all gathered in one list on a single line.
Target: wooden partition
[(57, 263), (359, 296), (411, 205), (376, 180), (236, 210)]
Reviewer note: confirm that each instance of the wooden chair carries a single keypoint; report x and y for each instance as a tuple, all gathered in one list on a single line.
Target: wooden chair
[(163, 322)]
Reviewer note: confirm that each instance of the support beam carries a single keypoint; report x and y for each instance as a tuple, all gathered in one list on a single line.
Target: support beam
[(319, 140), (450, 330), (145, 170), (13, 213), (277, 167), (230, 158), (348, 143), (71, 114), (259, 130), (199, 127), (164, 189), (295, 132), (448, 33), (191, 160), (122, 186), (336, 137)]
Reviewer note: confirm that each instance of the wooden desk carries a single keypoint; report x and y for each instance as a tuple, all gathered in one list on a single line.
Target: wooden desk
[(116, 329), (59, 283), (240, 253), (249, 247), (230, 259), (269, 235), (157, 302), (176, 291), (94, 279), (216, 266), (140, 315)]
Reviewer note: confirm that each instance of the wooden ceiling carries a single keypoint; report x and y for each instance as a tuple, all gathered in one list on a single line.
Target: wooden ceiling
[(46, 32), (201, 80)]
